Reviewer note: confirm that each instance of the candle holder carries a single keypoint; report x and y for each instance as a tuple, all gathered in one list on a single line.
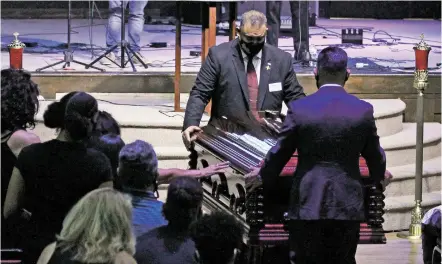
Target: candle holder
[(421, 51), (16, 48)]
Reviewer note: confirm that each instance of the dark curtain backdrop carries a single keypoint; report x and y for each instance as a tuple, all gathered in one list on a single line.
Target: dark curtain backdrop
[(191, 10)]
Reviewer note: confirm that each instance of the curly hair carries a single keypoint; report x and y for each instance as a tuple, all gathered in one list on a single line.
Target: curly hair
[(19, 100), (216, 236)]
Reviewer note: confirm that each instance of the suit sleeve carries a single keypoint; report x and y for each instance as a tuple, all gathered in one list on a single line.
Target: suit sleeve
[(372, 152), (292, 89), (202, 91), (280, 154)]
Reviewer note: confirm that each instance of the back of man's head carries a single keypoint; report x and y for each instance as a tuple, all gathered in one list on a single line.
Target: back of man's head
[(332, 65), (183, 204), (138, 165), (216, 237)]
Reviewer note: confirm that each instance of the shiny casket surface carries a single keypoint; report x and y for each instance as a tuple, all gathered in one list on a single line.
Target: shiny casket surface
[(245, 143)]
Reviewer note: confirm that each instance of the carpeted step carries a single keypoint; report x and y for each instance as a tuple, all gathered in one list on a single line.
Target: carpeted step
[(403, 181), (398, 209), (400, 148)]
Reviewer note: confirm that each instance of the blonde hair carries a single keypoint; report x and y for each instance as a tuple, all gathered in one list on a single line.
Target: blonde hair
[(98, 227)]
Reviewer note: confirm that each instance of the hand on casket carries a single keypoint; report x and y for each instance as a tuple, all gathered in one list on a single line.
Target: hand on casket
[(253, 180), (214, 169)]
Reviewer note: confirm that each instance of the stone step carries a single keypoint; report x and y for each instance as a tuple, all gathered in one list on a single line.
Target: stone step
[(400, 148), (403, 181), (398, 209)]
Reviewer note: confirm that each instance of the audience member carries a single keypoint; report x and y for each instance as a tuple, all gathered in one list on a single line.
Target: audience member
[(217, 238), (19, 105), (171, 244), (431, 232), (137, 174), (95, 230), (110, 145), (50, 177), (106, 124)]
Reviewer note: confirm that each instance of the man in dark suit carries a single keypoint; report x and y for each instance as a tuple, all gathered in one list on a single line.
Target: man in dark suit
[(330, 129), (242, 75), (300, 26)]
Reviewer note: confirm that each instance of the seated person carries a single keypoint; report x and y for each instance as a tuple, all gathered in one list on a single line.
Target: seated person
[(430, 233), (172, 244), (217, 238), (50, 177), (19, 105), (111, 146), (96, 230), (137, 173)]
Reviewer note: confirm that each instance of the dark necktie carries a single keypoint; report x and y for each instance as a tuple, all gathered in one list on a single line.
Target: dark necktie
[(252, 84)]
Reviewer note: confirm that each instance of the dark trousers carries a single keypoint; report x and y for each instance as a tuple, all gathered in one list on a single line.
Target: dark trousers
[(323, 241), (300, 28), (430, 233)]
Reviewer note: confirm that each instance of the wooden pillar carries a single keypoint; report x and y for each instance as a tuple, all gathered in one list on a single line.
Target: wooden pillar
[(233, 12), (208, 37), (177, 80)]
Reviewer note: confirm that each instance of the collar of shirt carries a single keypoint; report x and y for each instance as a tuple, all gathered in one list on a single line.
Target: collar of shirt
[(257, 56), (331, 84)]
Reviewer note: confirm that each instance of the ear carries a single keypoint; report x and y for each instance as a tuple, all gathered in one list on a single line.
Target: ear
[(118, 170), (315, 71), (348, 72)]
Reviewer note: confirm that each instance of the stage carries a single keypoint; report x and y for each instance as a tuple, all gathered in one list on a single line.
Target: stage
[(393, 55)]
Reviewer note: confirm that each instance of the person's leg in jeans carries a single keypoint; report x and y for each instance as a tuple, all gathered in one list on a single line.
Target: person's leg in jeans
[(273, 13), (113, 31), (136, 23), (300, 28)]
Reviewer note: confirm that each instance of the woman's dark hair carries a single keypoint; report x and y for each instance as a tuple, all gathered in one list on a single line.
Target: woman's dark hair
[(216, 236), (54, 115), (106, 124), (110, 145), (80, 112), (19, 100), (183, 204)]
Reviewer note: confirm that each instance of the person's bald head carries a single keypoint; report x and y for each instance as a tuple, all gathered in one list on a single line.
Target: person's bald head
[(332, 66), (253, 23)]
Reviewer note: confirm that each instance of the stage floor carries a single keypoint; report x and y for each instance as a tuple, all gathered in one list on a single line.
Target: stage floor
[(395, 55)]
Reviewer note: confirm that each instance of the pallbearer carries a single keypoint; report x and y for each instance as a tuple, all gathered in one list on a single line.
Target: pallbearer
[(243, 75), (330, 130)]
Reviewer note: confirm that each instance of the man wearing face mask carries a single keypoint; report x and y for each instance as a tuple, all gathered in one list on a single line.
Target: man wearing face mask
[(240, 76)]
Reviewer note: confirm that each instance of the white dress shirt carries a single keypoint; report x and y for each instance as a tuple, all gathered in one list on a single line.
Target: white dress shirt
[(256, 63)]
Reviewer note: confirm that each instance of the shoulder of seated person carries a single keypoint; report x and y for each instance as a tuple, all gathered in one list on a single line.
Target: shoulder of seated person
[(21, 139)]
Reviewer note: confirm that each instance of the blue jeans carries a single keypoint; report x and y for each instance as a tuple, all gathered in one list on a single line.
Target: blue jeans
[(135, 25)]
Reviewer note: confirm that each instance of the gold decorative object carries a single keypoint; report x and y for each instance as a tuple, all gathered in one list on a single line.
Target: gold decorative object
[(421, 51)]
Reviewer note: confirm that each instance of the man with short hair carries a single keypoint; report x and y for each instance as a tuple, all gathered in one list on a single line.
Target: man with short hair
[(330, 129), (172, 244), (240, 76), (217, 238), (137, 174)]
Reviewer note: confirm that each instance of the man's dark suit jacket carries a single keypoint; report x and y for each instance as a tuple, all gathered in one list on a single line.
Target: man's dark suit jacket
[(330, 129), (223, 79)]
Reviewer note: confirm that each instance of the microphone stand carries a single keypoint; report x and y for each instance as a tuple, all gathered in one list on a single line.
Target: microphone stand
[(68, 54), (124, 47)]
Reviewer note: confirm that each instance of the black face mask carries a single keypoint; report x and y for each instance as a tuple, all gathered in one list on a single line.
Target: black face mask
[(251, 48)]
